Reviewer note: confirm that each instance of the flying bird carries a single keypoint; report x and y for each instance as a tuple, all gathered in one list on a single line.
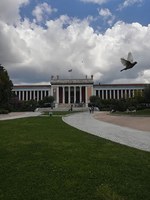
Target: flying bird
[(128, 63)]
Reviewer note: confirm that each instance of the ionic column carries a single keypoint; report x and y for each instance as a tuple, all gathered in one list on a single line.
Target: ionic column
[(133, 92), (74, 94), (121, 93), (102, 94), (19, 95), (57, 94), (129, 93), (110, 94), (52, 92), (80, 94), (63, 95), (114, 94), (69, 95), (34, 94), (37, 95), (125, 94), (98, 93), (92, 90), (117, 94), (86, 97), (49, 92), (23, 95), (106, 94), (27, 95)]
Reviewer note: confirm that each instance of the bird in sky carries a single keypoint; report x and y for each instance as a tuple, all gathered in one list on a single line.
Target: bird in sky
[(128, 63)]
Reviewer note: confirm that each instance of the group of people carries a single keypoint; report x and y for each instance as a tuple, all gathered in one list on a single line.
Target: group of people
[(91, 109)]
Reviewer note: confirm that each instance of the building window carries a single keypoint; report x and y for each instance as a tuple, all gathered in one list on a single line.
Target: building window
[(66, 94), (43, 94), (108, 94), (104, 94), (96, 92), (112, 94)]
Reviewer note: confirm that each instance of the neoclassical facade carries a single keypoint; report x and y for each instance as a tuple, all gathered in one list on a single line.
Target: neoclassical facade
[(118, 91), (76, 91), (32, 92), (72, 91)]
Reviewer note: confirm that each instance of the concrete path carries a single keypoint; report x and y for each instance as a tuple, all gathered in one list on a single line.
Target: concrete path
[(123, 135), (16, 115)]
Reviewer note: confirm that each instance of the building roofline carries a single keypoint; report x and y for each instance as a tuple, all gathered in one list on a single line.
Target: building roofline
[(124, 84), (76, 82), (71, 81), (30, 86)]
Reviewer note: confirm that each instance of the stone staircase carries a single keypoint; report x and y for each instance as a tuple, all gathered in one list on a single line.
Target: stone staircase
[(61, 107)]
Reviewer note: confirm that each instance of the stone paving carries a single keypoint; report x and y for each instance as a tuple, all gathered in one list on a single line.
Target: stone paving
[(123, 135), (15, 115)]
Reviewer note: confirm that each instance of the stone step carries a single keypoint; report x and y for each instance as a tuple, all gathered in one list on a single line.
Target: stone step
[(48, 109)]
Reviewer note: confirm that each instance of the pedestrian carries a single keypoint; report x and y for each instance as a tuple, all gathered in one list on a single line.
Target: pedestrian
[(90, 109)]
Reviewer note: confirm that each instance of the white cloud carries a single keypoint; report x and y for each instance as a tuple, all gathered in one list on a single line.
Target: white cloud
[(9, 10), (128, 3), (105, 12), (32, 53), (42, 10), (12, 49), (95, 1), (107, 15)]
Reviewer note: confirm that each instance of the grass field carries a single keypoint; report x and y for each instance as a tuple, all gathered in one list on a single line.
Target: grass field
[(43, 158)]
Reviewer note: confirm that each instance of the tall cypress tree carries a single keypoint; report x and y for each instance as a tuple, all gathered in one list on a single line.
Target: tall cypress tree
[(5, 88)]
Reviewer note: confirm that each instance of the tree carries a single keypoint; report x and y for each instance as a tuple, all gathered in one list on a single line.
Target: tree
[(5, 88), (147, 94), (94, 100), (47, 101)]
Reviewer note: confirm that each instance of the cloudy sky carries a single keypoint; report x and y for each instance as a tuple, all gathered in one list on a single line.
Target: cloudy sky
[(41, 38)]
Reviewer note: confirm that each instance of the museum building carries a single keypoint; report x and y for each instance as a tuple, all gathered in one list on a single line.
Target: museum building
[(76, 91)]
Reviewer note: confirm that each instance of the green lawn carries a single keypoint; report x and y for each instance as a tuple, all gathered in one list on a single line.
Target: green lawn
[(43, 158)]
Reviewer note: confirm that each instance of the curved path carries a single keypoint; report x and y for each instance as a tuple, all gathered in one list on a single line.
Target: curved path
[(16, 115), (123, 135)]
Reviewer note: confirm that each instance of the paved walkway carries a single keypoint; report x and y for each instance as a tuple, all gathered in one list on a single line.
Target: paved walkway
[(123, 135), (15, 115)]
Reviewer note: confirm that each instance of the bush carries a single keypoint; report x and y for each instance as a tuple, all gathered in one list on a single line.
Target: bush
[(20, 106), (4, 111)]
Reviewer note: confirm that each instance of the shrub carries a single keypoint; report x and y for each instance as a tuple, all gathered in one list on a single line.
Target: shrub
[(4, 111)]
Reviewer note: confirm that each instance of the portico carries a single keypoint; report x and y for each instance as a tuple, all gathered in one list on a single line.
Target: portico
[(72, 91)]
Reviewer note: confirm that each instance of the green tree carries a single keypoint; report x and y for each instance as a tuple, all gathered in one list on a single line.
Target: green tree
[(94, 100), (5, 88), (147, 94), (47, 101)]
